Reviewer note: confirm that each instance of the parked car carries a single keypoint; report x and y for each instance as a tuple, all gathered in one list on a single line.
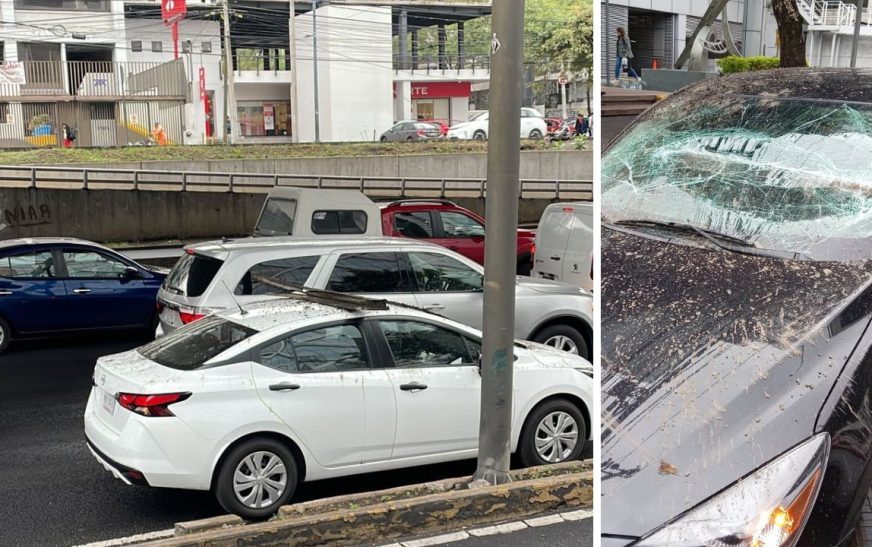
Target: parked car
[(213, 275), (737, 300), (554, 124), (52, 286), (412, 131), (533, 126), (442, 124), (251, 402), (308, 212), (564, 244)]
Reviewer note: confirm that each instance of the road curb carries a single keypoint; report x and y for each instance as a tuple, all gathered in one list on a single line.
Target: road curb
[(420, 509)]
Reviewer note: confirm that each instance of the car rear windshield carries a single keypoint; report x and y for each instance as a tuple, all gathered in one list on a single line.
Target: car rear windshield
[(277, 217), (192, 275), (191, 346)]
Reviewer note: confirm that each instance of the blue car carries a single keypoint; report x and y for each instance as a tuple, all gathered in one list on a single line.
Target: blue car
[(51, 286)]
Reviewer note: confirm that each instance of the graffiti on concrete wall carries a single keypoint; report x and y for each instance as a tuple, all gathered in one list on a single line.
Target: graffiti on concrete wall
[(29, 215)]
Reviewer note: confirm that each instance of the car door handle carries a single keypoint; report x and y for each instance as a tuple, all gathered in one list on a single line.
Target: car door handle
[(555, 258), (81, 291), (414, 386), (284, 386), (434, 307), (5, 293)]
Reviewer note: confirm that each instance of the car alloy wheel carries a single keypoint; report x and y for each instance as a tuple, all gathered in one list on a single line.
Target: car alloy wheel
[(563, 343), (555, 431), (535, 134), (556, 437), (260, 480), (479, 136), (5, 335)]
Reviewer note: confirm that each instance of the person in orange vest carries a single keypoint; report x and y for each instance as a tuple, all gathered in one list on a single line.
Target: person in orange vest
[(159, 135)]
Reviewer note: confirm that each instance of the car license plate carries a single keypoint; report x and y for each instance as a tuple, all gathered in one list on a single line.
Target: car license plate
[(109, 403)]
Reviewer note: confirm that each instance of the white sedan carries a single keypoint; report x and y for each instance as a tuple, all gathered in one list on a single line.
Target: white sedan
[(250, 402), (533, 126)]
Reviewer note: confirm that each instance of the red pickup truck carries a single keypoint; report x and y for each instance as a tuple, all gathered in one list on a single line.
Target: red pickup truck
[(447, 224), (313, 212)]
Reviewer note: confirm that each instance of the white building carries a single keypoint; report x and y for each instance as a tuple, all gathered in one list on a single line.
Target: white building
[(108, 68)]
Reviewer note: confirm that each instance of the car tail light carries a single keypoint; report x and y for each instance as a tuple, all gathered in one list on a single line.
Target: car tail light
[(190, 317), (159, 306), (151, 405)]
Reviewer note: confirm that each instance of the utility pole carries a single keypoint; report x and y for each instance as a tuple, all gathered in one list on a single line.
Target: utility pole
[(229, 88), (295, 102), (503, 166), (858, 21), (315, 68)]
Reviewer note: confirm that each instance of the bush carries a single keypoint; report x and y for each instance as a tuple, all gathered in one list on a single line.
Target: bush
[(734, 64)]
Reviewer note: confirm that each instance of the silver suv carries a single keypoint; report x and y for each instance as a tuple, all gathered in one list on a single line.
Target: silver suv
[(215, 275)]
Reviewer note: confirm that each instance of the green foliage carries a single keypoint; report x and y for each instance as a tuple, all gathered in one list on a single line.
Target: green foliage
[(579, 142), (734, 64), (38, 120)]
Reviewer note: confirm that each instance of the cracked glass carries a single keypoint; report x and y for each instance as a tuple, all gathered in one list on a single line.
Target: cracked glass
[(782, 173)]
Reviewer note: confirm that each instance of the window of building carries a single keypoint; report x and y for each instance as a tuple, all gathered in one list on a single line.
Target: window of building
[(206, 47), (5, 115), (264, 118), (157, 47), (136, 45), (187, 47), (63, 5)]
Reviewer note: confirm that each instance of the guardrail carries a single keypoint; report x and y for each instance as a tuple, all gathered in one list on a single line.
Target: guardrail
[(151, 180)]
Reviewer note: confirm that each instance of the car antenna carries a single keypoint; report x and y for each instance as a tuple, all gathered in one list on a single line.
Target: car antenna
[(233, 296)]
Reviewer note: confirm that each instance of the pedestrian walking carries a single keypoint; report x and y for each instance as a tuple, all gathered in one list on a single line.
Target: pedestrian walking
[(159, 135), (69, 136), (625, 54), (580, 125)]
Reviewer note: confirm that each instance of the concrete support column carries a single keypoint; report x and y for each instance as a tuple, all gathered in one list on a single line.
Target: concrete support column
[(415, 49), (461, 44), (403, 101), (403, 32), (833, 50), (442, 60)]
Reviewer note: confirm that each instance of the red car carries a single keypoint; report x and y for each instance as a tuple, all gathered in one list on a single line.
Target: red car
[(447, 224), (443, 125)]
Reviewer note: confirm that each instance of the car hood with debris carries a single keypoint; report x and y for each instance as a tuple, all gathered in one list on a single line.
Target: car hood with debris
[(714, 363)]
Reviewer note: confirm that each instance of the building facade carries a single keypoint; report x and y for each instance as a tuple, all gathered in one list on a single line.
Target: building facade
[(111, 69)]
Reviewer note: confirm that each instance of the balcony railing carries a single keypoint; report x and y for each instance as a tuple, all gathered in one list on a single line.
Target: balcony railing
[(94, 79), (442, 63)]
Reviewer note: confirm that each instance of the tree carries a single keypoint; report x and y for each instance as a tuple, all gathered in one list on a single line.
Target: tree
[(791, 37), (559, 35)]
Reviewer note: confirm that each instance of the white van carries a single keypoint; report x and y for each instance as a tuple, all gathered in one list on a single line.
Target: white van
[(296, 211), (564, 244)]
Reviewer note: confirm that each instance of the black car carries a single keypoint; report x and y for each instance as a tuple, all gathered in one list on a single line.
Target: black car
[(737, 302)]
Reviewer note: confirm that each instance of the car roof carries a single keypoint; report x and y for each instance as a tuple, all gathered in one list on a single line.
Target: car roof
[(32, 241), (831, 84), (302, 309), (328, 243)]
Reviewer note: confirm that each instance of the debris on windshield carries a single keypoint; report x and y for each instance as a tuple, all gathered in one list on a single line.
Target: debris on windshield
[(667, 468)]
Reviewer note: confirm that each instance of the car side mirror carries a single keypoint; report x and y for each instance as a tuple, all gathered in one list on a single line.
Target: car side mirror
[(130, 273)]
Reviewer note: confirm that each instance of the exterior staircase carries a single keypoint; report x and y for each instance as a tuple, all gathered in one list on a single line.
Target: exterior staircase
[(621, 106), (832, 15)]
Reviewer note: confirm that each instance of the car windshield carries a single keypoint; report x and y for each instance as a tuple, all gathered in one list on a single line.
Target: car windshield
[(191, 346), (786, 174)]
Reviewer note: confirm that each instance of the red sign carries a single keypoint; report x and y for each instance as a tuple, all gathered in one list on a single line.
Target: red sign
[(202, 84), (440, 90), (173, 11)]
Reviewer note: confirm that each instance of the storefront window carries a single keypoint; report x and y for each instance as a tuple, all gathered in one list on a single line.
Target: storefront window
[(264, 118), (431, 109)]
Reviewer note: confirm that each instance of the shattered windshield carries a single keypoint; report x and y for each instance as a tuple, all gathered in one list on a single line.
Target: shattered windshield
[(785, 174)]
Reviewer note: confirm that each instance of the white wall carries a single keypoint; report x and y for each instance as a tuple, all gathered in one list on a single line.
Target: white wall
[(354, 71)]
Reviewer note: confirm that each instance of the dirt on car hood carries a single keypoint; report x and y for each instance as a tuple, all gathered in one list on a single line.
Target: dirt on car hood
[(713, 363)]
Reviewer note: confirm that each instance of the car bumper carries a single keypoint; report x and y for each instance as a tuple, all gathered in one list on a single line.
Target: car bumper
[(165, 454)]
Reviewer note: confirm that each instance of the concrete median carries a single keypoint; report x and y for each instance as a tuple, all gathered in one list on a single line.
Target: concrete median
[(399, 512)]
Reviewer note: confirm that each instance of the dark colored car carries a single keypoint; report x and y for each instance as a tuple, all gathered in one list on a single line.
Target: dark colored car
[(51, 286), (449, 225), (412, 131), (737, 301)]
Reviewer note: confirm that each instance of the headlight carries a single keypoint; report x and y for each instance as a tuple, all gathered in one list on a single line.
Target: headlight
[(767, 509)]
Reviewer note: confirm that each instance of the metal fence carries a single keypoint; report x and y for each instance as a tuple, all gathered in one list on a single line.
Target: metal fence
[(187, 181)]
